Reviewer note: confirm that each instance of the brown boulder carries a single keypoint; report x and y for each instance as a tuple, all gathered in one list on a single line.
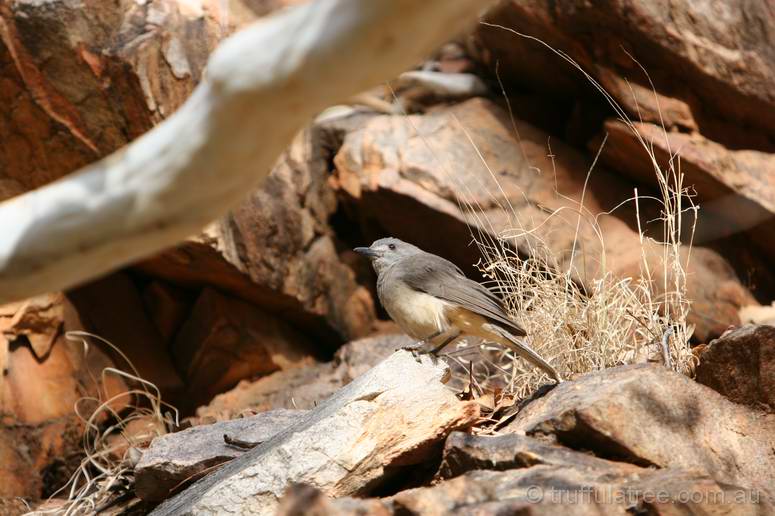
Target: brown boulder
[(278, 251), (167, 306), (38, 320), (77, 84), (741, 366), (111, 308), (226, 340), (306, 500), (198, 263), (280, 237), (40, 388), (649, 105), (734, 187), (704, 53), (548, 490), (465, 452), (391, 176), (649, 416)]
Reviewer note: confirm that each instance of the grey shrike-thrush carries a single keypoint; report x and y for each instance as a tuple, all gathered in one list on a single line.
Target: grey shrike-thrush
[(432, 300)]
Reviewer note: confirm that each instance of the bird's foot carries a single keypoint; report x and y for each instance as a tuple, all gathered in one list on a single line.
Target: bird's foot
[(411, 347), (419, 349)]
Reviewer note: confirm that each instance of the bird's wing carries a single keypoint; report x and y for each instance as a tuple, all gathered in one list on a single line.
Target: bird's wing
[(443, 279)]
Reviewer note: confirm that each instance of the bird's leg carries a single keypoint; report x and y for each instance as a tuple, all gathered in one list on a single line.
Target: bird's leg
[(447, 336), (451, 334), (417, 347)]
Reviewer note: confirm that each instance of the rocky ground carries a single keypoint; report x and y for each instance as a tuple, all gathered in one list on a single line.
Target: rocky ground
[(264, 330)]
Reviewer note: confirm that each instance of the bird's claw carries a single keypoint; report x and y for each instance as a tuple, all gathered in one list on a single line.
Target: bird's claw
[(418, 350)]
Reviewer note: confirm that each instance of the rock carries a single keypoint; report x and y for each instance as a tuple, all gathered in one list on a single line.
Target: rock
[(548, 490), (304, 387), (77, 84), (304, 500), (712, 285), (357, 357), (649, 416), (465, 452), (135, 434), (281, 238), (112, 309), (741, 366), (559, 489), (173, 459), (650, 106), (278, 251), (226, 340), (299, 388), (13, 506), (733, 187), (40, 433), (197, 264), (392, 416), (38, 320), (390, 175), (704, 54), (167, 306)]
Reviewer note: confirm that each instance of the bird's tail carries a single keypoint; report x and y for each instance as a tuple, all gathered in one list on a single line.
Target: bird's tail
[(514, 344)]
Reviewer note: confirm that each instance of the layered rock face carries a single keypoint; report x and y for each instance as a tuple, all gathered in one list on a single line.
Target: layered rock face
[(264, 329)]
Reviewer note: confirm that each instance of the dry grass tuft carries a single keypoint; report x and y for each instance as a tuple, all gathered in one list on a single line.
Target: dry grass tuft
[(103, 478), (613, 321)]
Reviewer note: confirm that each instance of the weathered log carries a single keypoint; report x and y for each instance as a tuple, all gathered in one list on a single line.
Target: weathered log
[(262, 85), (391, 416)]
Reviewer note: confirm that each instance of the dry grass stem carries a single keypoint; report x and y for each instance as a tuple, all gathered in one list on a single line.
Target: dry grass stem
[(102, 476), (612, 320)]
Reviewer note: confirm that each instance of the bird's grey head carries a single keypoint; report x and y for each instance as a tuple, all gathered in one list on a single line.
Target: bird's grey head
[(386, 251)]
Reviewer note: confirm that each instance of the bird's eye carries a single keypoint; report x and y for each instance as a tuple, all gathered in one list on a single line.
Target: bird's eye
[(392, 247)]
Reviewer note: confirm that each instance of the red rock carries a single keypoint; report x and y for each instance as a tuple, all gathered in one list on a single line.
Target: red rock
[(77, 84), (649, 105), (278, 251), (281, 238), (703, 53), (741, 366), (39, 320), (734, 187), (112, 309), (304, 387), (167, 306), (42, 441), (226, 340), (198, 263)]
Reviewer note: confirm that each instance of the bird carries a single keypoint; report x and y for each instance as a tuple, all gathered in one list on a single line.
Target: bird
[(432, 301)]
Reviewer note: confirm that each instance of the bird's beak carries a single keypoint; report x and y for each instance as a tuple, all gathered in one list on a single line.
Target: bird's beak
[(366, 251)]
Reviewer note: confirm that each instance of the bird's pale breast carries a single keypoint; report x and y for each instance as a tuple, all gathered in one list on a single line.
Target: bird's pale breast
[(420, 315)]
